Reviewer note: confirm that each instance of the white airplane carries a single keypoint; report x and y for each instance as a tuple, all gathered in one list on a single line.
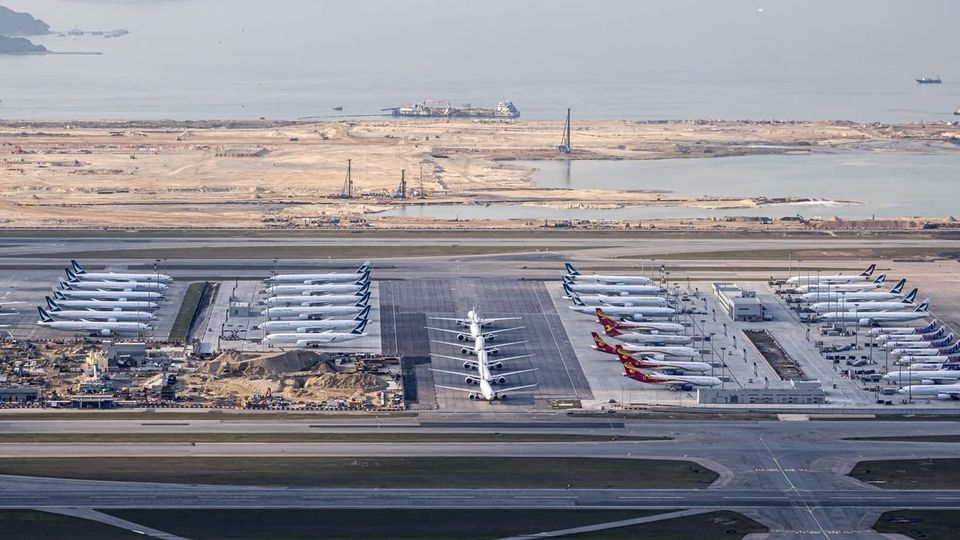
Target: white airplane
[(941, 359), (473, 363), (114, 276), (653, 363), (486, 391), (840, 278), (312, 339), (905, 330), (939, 391), (929, 352), (611, 290), (827, 295), (304, 327), (312, 312), (641, 326), (474, 318), (322, 300), (883, 338), (938, 376), (77, 284), (329, 288), (859, 286), (479, 345), (103, 328), (645, 338), (67, 292), (476, 332), (676, 382), (483, 374), (573, 274), (660, 352), (609, 300), (103, 305), (939, 341), (57, 312), (632, 312), (869, 318), (846, 304), (315, 279)]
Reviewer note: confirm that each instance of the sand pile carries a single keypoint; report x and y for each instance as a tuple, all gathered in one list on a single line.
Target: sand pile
[(334, 385), (269, 365)]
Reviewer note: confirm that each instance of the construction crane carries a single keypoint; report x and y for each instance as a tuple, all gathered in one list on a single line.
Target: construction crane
[(402, 191), (565, 147), (347, 191)]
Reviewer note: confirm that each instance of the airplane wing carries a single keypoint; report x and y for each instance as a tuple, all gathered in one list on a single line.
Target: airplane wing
[(8, 314), (472, 376), (494, 332), (447, 330), (499, 360), (516, 372), (468, 345), (444, 319), (313, 341), (498, 319), (944, 380), (468, 390), (515, 388), (497, 346), (454, 358)]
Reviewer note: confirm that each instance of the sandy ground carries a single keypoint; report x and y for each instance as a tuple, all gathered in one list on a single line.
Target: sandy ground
[(289, 175)]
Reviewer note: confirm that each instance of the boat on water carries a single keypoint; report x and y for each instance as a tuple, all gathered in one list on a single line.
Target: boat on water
[(956, 112), (338, 108), (428, 109), (929, 80)]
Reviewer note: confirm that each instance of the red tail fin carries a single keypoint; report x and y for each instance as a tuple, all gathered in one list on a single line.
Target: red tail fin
[(609, 326), (601, 345), (635, 374)]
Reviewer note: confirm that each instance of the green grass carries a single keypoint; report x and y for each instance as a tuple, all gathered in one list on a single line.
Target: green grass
[(188, 310), (920, 524), (34, 525), (426, 524), (376, 472), (910, 473), (711, 526), (318, 437)]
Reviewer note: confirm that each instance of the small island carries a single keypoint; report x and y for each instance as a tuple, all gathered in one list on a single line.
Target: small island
[(18, 45), (14, 23)]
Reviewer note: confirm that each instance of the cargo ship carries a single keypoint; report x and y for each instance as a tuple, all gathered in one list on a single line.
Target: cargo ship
[(929, 80), (428, 109)]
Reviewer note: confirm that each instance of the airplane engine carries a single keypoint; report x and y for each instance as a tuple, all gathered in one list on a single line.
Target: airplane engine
[(865, 322), (501, 396), (303, 316), (944, 397), (498, 365), (490, 337), (461, 337), (927, 381), (494, 351), (464, 350), (467, 365), (472, 396), (469, 380), (105, 332), (501, 380)]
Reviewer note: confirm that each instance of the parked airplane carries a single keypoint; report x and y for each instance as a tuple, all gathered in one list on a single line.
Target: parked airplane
[(644, 338), (828, 295), (81, 273), (869, 318), (76, 283), (312, 339), (927, 343), (846, 304), (358, 288), (104, 305), (67, 292), (103, 328), (939, 359), (474, 318), (312, 312), (615, 300), (614, 280), (611, 290), (486, 391), (653, 363), (476, 332), (319, 300), (315, 279), (303, 327), (632, 312), (479, 344), (642, 326), (675, 382), (659, 352), (857, 286), (932, 351), (883, 338), (58, 312), (840, 278), (930, 327), (483, 374), (938, 376), (473, 363), (939, 391)]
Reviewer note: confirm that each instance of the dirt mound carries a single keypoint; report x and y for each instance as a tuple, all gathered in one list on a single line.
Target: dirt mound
[(343, 381), (269, 365)]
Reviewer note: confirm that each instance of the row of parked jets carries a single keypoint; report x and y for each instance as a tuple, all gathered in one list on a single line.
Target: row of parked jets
[(103, 303), (312, 310), (930, 352), (635, 315), (473, 342)]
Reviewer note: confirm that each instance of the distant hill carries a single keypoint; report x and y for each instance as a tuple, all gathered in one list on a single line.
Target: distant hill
[(13, 23), (17, 45)]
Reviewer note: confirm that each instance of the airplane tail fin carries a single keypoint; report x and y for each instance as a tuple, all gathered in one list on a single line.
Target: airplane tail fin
[(623, 355), (364, 279), (364, 268), (571, 270), (880, 279), (568, 290), (909, 298), (898, 288), (363, 314), (609, 326), (71, 276), (577, 301), (44, 316), (360, 326), (76, 267), (59, 295), (567, 280), (602, 345), (869, 271), (363, 301), (365, 289), (924, 306), (51, 304), (928, 328), (65, 285)]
